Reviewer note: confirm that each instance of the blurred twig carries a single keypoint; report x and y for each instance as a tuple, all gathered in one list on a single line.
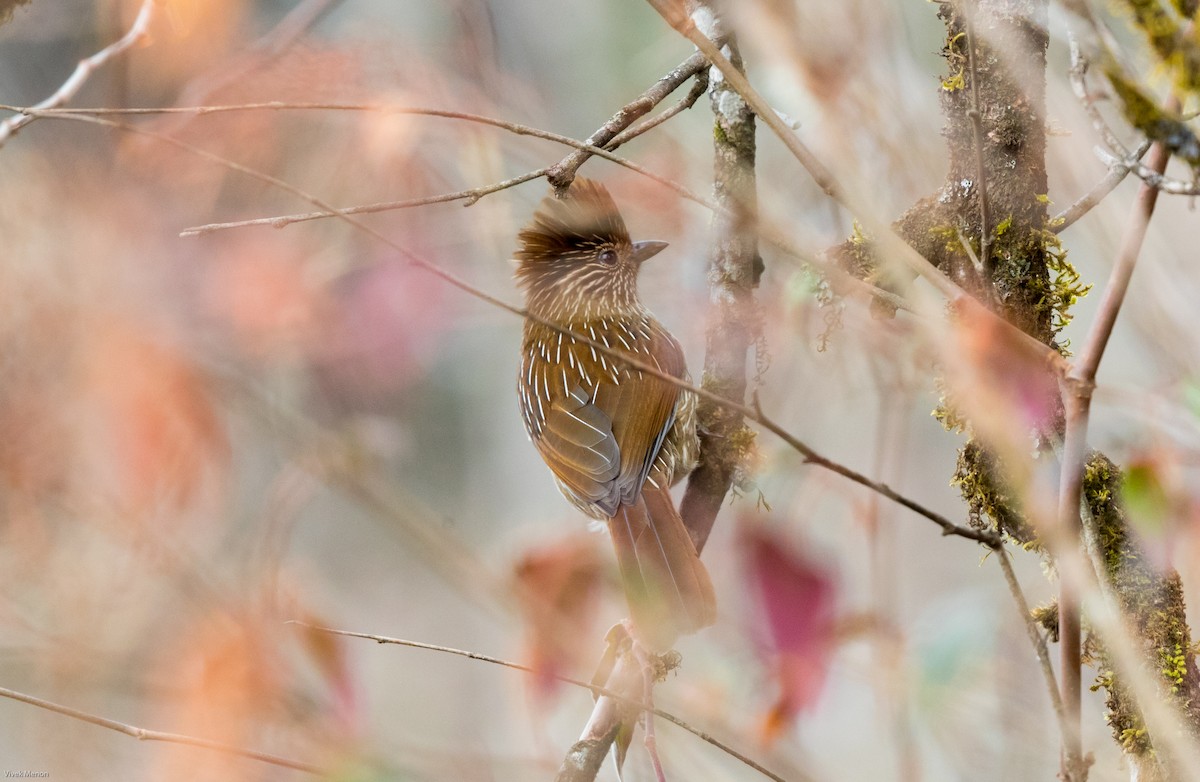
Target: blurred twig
[(84, 70), (338, 464), (142, 734), (276, 42), (593, 688)]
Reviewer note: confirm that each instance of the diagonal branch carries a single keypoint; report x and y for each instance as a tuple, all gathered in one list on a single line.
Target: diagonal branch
[(1035, 637), (1116, 175), (562, 173), (142, 734), (84, 70)]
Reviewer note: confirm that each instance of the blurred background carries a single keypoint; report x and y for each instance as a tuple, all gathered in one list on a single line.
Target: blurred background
[(203, 438)]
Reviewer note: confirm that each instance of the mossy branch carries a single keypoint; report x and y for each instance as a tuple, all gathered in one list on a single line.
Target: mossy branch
[(732, 322), (1152, 600)]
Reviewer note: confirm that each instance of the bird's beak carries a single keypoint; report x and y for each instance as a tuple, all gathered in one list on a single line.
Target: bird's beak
[(644, 251)]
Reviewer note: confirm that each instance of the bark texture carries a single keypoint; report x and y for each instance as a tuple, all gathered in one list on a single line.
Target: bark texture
[(733, 273), (1153, 601)]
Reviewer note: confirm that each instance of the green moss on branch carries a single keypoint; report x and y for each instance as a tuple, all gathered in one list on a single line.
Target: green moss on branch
[(1153, 602)]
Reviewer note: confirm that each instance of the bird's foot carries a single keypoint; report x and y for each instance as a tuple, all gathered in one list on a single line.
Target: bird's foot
[(651, 668), (654, 670)]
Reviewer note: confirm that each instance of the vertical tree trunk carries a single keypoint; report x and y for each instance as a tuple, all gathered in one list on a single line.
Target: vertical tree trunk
[(733, 273)]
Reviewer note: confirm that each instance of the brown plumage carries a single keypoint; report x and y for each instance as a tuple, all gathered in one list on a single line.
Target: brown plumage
[(615, 438)]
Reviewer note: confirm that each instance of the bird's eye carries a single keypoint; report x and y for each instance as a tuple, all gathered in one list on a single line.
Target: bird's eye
[(608, 257)]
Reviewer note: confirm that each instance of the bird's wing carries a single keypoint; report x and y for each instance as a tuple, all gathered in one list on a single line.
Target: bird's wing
[(577, 443), (602, 444), (642, 410)]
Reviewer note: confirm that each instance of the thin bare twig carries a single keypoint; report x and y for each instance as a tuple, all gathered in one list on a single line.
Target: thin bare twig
[(468, 197), (1117, 172), (142, 734), (1035, 636), (985, 223), (593, 688), (699, 86), (561, 174), (84, 70)]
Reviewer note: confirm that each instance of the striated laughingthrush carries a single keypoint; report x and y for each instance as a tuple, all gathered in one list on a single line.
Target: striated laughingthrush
[(614, 437)]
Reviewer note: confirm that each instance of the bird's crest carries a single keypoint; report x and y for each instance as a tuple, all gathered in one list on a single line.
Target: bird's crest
[(583, 221)]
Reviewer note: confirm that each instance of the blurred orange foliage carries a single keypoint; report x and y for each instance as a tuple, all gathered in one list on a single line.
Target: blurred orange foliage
[(557, 587), (160, 433), (228, 682)]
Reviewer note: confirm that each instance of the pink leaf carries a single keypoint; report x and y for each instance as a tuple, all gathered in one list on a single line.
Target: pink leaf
[(796, 600)]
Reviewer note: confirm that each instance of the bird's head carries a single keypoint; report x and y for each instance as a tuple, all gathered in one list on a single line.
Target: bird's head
[(575, 258)]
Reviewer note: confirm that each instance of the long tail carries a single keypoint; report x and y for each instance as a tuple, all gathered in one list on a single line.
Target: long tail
[(668, 588)]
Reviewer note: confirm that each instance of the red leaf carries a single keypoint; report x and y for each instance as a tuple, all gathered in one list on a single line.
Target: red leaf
[(796, 599)]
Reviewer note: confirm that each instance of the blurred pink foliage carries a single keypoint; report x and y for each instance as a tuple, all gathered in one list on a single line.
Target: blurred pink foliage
[(796, 600), (383, 328)]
